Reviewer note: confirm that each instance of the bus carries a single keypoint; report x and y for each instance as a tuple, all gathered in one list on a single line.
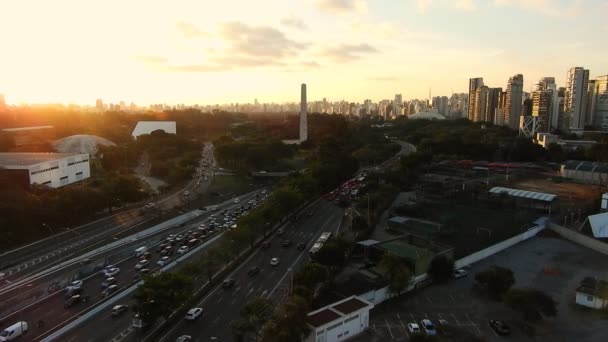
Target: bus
[(322, 239)]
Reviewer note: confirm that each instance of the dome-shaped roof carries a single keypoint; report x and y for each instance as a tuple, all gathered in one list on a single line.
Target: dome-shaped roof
[(427, 115), (81, 143)]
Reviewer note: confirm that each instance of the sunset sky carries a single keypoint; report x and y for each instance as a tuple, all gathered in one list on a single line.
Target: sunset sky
[(207, 52)]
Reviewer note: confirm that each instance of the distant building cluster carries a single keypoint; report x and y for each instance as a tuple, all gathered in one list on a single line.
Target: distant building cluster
[(581, 103)]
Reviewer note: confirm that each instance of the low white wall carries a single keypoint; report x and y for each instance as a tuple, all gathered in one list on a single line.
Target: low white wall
[(580, 239), (378, 296)]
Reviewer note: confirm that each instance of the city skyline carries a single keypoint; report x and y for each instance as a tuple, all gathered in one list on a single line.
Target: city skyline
[(348, 49)]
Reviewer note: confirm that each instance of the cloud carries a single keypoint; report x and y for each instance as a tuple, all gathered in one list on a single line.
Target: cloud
[(423, 5), (383, 79), (246, 47), (465, 5), (348, 52), (294, 22), (342, 6), (547, 7), (189, 30), (262, 41)]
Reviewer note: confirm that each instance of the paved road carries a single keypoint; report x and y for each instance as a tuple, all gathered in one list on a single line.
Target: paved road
[(221, 306), (51, 310), (28, 259)]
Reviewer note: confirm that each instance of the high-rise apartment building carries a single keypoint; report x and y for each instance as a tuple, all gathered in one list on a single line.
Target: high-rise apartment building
[(590, 110), (492, 100), (303, 114), (474, 84), (575, 102), (513, 105), (398, 105), (542, 107), (546, 83), (600, 116), (478, 106)]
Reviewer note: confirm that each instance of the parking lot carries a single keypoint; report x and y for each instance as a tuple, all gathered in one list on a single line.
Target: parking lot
[(468, 310)]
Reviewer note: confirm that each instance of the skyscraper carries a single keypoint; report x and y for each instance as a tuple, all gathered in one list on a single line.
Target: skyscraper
[(513, 105), (600, 117), (575, 105), (474, 83), (492, 100), (478, 105), (590, 110), (303, 118), (397, 105), (546, 83), (542, 107)]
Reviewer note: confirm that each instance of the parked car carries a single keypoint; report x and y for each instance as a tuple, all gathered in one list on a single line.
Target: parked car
[(428, 327), (227, 283), (413, 328), (253, 271), (444, 327), (193, 313), (274, 261), (460, 274), (117, 310), (499, 327)]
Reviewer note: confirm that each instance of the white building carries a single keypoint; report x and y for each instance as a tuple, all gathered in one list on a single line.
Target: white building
[(52, 169), (592, 293), (604, 205), (339, 321), (147, 127)]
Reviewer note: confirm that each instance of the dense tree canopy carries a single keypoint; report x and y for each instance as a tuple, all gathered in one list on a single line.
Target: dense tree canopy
[(532, 303), (497, 280)]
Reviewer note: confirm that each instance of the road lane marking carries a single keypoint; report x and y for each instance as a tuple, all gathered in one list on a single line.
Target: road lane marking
[(389, 329)]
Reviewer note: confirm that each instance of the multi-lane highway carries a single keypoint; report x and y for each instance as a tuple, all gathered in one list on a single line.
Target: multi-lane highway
[(104, 327), (221, 307)]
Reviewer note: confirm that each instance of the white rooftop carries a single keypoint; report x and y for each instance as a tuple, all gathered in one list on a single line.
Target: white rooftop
[(541, 196), (599, 225), (147, 127)]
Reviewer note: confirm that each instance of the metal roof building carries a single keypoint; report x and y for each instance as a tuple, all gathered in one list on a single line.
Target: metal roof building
[(585, 171), (147, 127), (539, 196)]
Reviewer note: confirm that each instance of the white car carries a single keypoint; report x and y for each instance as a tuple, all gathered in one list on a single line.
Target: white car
[(182, 250), (413, 328), (163, 261), (110, 272), (194, 313), (428, 327), (76, 284), (459, 274), (141, 264), (274, 261), (184, 338)]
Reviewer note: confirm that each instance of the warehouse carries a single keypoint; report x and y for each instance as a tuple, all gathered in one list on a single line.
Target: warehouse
[(51, 169), (585, 172)]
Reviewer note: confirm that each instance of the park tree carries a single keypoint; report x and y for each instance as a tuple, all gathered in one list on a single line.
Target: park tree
[(257, 312), (333, 253), (167, 292), (288, 322), (311, 275), (441, 268), (497, 280), (397, 273), (532, 303)]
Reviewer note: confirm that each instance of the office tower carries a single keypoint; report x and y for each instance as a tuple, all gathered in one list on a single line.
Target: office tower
[(474, 83), (513, 105), (590, 110), (499, 117), (491, 105), (600, 117), (526, 107), (397, 105), (303, 119), (575, 105)]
